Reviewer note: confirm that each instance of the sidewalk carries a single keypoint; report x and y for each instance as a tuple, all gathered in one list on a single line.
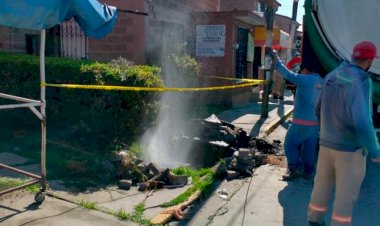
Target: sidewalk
[(61, 208), (249, 117)]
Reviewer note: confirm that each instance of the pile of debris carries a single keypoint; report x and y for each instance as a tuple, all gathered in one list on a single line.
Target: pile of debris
[(243, 153), (214, 140), (132, 171)]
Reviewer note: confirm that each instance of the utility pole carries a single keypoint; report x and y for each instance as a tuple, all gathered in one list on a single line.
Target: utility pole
[(268, 68), (292, 33)]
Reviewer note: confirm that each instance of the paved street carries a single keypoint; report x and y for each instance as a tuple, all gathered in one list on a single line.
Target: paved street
[(266, 200), (262, 200)]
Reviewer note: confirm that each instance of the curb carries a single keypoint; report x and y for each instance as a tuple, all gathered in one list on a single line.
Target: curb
[(275, 123)]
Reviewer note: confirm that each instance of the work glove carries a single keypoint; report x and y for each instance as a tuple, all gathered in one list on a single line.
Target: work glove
[(276, 60), (273, 53)]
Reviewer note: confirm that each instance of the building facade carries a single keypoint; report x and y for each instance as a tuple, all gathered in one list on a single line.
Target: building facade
[(224, 36)]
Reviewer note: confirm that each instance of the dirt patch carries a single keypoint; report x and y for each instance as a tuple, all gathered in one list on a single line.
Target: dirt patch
[(276, 160)]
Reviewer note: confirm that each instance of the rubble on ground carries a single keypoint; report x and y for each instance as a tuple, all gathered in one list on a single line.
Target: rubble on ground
[(132, 171), (215, 139)]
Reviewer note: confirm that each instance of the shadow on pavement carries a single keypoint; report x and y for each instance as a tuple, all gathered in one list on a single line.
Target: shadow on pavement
[(15, 212), (367, 208), (255, 131), (4, 218), (294, 199)]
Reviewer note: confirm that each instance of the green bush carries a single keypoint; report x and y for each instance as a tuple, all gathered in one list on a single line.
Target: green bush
[(181, 71), (178, 67), (95, 119)]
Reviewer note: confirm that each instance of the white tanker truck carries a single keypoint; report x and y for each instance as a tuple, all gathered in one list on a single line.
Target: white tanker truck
[(333, 27)]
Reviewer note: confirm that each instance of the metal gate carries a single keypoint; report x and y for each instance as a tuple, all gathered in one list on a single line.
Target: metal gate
[(73, 41)]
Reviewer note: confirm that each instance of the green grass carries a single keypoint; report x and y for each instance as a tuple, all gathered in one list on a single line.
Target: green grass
[(137, 216), (33, 188), (190, 172), (139, 209), (122, 215), (181, 198), (88, 205), (26, 142), (202, 180), (58, 157), (7, 183)]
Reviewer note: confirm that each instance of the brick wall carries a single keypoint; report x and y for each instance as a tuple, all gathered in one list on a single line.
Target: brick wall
[(137, 37), (13, 39), (204, 5), (127, 39), (283, 22), (228, 5), (4, 38), (216, 65), (222, 66), (252, 5)]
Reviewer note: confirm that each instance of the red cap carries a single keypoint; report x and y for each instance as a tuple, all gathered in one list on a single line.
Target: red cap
[(365, 50)]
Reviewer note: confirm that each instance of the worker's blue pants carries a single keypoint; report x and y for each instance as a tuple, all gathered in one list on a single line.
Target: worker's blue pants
[(301, 146)]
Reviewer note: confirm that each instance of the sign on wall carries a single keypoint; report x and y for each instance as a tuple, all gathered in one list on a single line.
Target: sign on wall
[(210, 40)]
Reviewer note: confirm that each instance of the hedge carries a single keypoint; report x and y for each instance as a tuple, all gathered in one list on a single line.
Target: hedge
[(95, 119)]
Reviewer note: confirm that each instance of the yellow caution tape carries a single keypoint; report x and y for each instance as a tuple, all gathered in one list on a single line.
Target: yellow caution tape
[(154, 89), (248, 82), (237, 79)]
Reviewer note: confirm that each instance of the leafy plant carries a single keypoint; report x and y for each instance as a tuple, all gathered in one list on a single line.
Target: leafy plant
[(96, 120), (136, 149), (87, 205), (120, 62), (187, 67)]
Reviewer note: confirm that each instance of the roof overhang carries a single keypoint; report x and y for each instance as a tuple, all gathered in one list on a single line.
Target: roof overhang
[(246, 16), (249, 17)]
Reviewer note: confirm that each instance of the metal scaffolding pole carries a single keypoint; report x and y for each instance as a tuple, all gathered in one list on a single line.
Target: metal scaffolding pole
[(41, 115), (43, 112)]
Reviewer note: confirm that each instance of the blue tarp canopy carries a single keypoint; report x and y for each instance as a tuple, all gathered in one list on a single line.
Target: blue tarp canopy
[(95, 19)]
